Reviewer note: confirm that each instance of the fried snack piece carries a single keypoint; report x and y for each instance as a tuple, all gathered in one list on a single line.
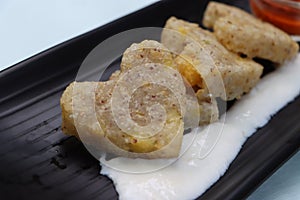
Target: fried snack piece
[(208, 107), (206, 63), (215, 10), (148, 51), (88, 114), (84, 94), (242, 33), (176, 42), (178, 33)]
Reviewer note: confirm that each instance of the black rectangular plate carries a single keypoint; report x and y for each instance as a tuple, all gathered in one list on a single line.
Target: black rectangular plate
[(37, 161)]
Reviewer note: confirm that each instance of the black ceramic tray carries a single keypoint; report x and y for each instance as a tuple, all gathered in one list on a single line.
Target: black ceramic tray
[(37, 161)]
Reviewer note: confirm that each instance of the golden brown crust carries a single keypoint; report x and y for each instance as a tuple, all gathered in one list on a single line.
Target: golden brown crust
[(148, 51), (87, 114), (82, 93), (242, 33), (255, 39), (103, 127), (65, 104), (223, 73), (208, 108), (216, 10)]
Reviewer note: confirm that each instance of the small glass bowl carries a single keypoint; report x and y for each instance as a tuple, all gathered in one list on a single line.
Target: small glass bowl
[(285, 14)]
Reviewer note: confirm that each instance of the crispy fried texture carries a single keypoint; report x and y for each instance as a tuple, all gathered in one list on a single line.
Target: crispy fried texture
[(215, 10), (207, 64), (155, 52), (87, 106), (148, 51), (241, 32), (82, 94), (208, 107), (103, 127)]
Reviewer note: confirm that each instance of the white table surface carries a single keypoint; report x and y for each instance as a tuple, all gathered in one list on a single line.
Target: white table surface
[(31, 26), (28, 27)]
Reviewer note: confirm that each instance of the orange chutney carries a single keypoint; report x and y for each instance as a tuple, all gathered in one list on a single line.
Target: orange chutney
[(283, 15)]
